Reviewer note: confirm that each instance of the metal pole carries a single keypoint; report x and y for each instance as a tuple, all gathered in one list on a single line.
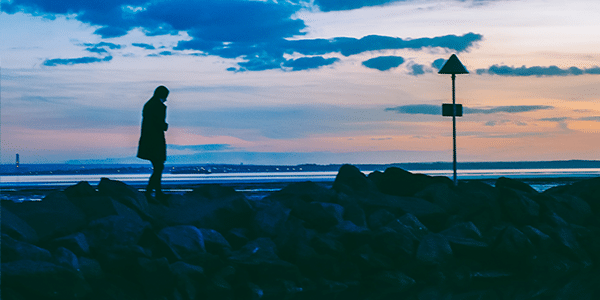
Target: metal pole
[(454, 131)]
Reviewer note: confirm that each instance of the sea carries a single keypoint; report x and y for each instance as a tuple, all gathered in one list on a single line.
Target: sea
[(257, 185)]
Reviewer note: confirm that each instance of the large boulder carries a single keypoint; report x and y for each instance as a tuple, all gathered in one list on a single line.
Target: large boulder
[(518, 206), (514, 184), (52, 217), (434, 250), (185, 241), (269, 217), (44, 280), (213, 207), (13, 250), (351, 181), (588, 190), (17, 228), (398, 182), (125, 194), (308, 191)]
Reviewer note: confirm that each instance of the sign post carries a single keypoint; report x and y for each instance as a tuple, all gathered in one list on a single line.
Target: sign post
[(453, 66)]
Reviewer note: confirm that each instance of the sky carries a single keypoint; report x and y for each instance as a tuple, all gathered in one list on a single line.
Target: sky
[(294, 82)]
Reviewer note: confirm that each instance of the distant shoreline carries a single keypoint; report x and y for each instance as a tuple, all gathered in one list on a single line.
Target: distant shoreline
[(71, 169)]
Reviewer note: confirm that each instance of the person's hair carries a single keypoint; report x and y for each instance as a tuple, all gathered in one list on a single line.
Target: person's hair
[(161, 92)]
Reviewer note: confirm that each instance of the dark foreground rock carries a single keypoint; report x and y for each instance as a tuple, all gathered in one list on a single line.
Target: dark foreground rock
[(391, 235)]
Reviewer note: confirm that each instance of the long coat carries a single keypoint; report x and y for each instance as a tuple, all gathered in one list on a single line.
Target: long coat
[(152, 145)]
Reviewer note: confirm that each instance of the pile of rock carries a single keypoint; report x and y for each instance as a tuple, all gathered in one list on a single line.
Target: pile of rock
[(391, 235)]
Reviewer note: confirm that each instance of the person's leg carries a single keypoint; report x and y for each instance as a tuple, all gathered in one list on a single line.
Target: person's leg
[(155, 179)]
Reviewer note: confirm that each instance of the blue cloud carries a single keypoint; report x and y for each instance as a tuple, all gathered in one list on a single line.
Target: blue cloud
[(383, 63), (305, 63), (337, 5), (538, 71), (506, 109), (427, 109), (417, 70), (100, 48), (413, 109), (256, 32), (438, 63), (74, 61), (142, 45)]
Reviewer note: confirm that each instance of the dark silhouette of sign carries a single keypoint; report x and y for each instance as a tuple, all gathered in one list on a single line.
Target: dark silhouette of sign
[(453, 66)]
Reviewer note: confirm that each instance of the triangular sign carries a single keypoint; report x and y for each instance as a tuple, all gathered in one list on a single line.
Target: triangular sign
[(453, 66)]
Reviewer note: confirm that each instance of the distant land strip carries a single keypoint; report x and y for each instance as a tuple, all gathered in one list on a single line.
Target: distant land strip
[(67, 169)]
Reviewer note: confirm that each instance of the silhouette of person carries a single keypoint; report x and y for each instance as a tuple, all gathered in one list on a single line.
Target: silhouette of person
[(152, 145)]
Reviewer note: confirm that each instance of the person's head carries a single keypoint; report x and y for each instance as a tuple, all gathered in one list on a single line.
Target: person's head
[(161, 92)]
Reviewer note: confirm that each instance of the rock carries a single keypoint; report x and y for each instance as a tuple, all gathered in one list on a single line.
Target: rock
[(114, 231), (399, 245), (442, 195), (398, 182), (260, 258), (429, 213), (588, 190), (350, 235), (90, 269), (155, 277), (13, 250), (570, 208), (187, 278), (434, 250), (215, 242), (77, 243), (537, 237), (370, 261), (307, 191), (269, 217), (479, 204), (126, 195), (220, 214), (328, 244), (514, 249), (351, 181), (64, 257), (45, 280), (52, 217), (237, 237), (465, 239), (100, 206), (391, 281), (186, 242), (380, 218), (519, 207), (352, 211), (514, 184), (411, 222), (335, 210), (82, 189), (17, 228)]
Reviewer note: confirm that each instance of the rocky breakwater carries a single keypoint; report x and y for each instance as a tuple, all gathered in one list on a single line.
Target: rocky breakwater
[(391, 235)]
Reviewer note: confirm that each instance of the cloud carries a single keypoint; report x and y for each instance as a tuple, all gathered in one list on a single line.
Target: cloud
[(257, 33), (417, 70), (428, 109), (383, 63), (438, 63), (100, 48), (142, 45), (337, 5), (201, 148), (305, 63), (505, 109), (593, 118), (75, 61), (538, 71), (559, 119), (413, 109)]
